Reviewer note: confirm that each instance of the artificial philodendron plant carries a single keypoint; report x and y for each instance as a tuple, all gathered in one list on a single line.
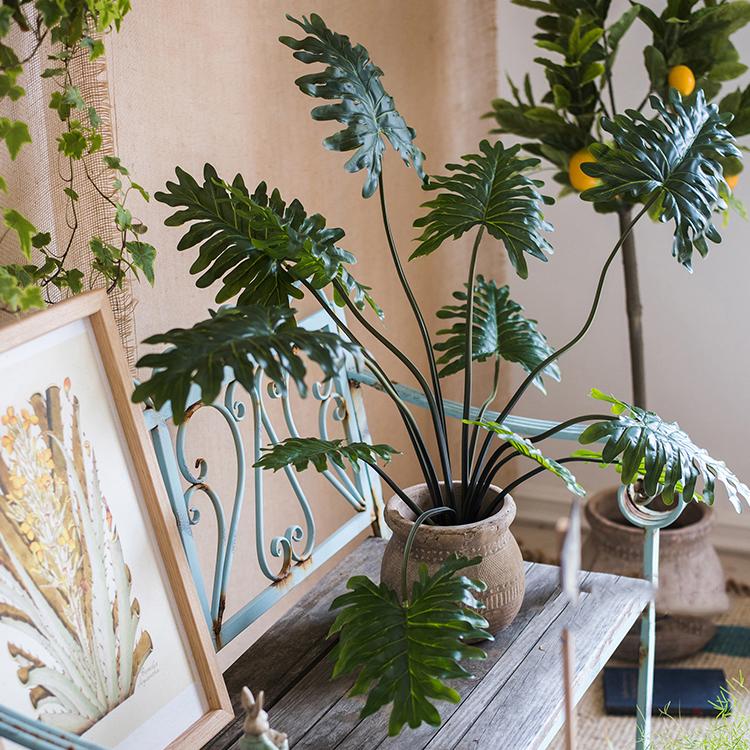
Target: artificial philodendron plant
[(265, 253)]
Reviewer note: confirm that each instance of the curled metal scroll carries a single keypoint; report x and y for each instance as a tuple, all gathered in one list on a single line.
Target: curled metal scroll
[(641, 515)]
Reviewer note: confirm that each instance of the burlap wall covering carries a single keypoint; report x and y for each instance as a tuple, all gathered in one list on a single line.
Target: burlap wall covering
[(201, 81), (34, 179)]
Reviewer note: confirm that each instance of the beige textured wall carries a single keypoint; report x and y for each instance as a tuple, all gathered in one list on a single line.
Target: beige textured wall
[(202, 81)]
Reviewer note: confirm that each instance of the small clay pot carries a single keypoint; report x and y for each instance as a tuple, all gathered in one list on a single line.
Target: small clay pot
[(691, 588), (501, 568)]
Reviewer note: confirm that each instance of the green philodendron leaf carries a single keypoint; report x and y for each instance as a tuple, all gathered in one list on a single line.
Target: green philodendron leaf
[(257, 244), (365, 108), (402, 651), (499, 331), (672, 158), (243, 339), (526, 448), (300, 452), (488, 190), (660, 453)]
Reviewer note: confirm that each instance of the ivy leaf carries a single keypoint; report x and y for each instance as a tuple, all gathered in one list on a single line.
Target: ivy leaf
[(672, 158), (15, 133), (660, 453), (16, 296), (488, 190), (500, 331), (365, 108), (142, 255), (257, 244), (403, 650), (73, 98), (300, 452), (243, 339), (22, 227), (526, 448), (72, 143)]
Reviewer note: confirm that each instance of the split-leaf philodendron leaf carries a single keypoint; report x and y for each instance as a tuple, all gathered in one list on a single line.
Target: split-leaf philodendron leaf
[(671, 158), (661, 454), (488, 190), (403, 650), (243, 339), (299, 452), (500, 330), (526, 448), (365, 108), (257, 244)]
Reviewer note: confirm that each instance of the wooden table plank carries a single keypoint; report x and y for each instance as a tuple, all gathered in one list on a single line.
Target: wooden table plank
[(297, 642), (515, 702)]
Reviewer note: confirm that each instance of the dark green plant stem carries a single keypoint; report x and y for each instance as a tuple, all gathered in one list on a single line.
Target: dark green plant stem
[(468, 369), (634, 310), (589, 320), (423, 456), (420, 322), (409, 502), (529, 475), (421, 518), (482, 484), (483, 408), (440, 434)]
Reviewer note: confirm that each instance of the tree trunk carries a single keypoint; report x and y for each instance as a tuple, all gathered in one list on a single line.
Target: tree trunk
[(634, 311)]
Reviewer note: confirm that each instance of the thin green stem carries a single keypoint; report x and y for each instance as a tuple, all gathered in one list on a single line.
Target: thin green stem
[(421, 518), (413, 507), (529, 475), (420, 321), (440, 434), (423, 456), (589, 320), (483, 408), (468, 366)]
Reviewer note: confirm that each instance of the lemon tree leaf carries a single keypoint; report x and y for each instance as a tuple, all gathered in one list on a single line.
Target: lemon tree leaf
[(671, 158), (500, 330), (365, 109), (489, 190), (402, 651), (660, 453)]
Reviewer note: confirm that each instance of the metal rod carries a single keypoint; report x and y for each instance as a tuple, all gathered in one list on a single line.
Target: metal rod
[(647, 651)]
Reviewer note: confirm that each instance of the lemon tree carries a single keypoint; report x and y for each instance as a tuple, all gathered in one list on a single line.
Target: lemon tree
[(690, 53)]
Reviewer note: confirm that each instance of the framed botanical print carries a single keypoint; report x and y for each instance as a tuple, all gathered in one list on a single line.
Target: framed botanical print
[(101, 633)]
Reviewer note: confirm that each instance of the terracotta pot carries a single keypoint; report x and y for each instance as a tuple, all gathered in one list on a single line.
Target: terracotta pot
[(501, 567), (691, 580)]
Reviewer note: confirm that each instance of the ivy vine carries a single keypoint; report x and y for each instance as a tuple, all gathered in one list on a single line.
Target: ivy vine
[(72, 27)]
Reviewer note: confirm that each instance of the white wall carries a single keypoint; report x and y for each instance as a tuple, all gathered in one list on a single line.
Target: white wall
[(696, 326)]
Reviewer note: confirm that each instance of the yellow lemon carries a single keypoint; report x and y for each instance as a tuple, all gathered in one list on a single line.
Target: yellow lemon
[(578, 178), (682, 79), (732, 180)]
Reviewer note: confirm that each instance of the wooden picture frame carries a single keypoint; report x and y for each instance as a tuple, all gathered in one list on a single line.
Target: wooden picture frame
[(80, 466)]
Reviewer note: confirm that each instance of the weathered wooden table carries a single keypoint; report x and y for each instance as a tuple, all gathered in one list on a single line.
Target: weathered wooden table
[(515, 702)]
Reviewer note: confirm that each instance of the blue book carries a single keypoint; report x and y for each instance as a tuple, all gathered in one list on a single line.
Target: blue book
[(677, 692)]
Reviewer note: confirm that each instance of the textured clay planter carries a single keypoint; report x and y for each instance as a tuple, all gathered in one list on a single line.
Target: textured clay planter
[(501, 567), (691, 580)]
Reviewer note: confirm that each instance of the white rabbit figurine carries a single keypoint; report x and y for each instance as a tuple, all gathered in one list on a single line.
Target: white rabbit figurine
[(258, 733)]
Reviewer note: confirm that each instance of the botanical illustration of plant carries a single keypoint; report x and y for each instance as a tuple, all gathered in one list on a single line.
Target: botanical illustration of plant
[(64, 583)]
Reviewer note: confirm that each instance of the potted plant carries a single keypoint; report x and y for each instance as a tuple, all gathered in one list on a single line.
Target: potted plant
[(266, 252), (690, 51)]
